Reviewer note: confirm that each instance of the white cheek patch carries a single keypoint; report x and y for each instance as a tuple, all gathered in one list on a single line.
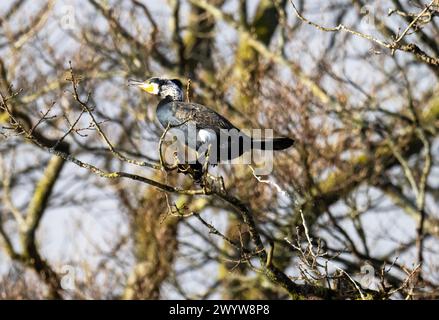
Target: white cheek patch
[(155, 88), (206, 136)]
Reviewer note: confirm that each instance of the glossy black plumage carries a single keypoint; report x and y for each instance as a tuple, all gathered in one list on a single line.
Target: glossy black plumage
[(209, 125), (178, 112)]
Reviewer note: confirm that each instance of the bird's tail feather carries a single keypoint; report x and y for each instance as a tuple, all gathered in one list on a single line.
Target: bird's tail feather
[(272, 144)]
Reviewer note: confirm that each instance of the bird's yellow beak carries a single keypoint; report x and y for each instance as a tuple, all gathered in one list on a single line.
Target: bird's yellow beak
[(146, 86)]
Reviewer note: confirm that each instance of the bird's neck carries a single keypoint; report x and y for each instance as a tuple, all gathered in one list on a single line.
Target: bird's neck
[(172, 94), (168, 99)]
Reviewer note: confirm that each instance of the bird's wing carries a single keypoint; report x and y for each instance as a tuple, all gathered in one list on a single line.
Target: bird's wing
[(204, 117)]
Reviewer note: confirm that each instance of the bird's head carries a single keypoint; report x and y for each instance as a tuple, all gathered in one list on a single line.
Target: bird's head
[(161, 87)]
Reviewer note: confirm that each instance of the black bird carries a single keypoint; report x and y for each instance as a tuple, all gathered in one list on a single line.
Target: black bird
[(211, 127)]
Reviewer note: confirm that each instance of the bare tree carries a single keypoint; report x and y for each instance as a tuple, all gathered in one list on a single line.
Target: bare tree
[(350, 212)]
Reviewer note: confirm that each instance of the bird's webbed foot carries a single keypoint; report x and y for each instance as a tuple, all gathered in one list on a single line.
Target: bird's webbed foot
[(194, 170)]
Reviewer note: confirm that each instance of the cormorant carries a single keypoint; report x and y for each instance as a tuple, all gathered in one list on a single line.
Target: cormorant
[(211, 127)]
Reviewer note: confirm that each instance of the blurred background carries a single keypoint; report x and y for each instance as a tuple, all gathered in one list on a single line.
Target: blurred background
[(362, 176)]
